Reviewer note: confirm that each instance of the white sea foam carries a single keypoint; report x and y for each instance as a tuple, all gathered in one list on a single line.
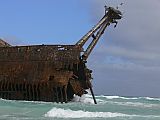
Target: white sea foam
[(119, 97), (128, 98), (149, 98), (68, 113), (62, 113), (83, 99), (86, 99)]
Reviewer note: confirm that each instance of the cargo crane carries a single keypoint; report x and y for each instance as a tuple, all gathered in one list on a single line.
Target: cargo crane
[(51, 73), (110, 17)]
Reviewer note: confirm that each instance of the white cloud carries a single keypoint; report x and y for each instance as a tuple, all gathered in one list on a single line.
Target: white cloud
[(136, 46), (137, 35)]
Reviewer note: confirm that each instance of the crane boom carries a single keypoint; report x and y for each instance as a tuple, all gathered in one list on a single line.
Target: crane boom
[(94, 41), (85, 38), (111, 16)]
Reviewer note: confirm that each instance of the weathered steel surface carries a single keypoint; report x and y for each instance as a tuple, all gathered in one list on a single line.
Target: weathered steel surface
[(41, 72)]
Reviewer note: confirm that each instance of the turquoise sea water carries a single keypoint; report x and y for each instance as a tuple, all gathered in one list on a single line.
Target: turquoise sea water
[(108, 108)]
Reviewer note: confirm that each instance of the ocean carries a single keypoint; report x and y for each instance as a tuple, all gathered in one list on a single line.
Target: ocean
[(108, 108)]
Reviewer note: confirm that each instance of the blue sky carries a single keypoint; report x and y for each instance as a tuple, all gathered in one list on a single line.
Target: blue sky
[(125, 61), (43, 21)]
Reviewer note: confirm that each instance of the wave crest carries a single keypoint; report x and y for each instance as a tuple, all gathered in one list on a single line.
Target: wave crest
[(62, 113), (129, 98)]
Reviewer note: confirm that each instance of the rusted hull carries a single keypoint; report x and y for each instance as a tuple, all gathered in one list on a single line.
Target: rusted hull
[(42, 73)]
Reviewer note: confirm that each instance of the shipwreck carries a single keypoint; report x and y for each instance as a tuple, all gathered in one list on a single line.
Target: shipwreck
[(51, 73)]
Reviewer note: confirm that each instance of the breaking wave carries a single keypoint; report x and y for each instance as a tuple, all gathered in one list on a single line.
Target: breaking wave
[(108, 107), (119, 97), (87, 99), (149, 98), (134, 104), (68, 113), (62, 113), (128, 98)]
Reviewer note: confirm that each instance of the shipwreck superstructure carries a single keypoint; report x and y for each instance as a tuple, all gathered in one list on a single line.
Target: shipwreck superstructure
[(53, 73)]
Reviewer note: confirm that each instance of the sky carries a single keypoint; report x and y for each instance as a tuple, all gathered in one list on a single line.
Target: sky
[(125, 62)]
